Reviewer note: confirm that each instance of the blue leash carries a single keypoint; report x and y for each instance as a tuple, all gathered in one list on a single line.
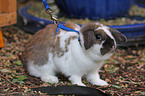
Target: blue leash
[(46, 5), (59, 26)]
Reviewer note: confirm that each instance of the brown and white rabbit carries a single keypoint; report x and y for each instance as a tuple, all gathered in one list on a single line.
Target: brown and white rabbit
[(47, 54)]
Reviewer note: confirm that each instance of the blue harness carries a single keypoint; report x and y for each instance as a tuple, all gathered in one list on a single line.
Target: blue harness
[(59, 26)]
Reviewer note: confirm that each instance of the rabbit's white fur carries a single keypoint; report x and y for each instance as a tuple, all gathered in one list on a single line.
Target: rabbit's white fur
[(76, 62)]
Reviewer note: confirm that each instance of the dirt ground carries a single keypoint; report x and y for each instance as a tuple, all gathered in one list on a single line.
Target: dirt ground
[(124, 71)]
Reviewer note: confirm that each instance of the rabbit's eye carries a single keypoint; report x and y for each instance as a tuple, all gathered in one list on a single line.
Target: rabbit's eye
[(98, 37)]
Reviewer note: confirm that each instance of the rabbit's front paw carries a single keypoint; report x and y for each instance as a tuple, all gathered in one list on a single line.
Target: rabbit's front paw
[(99, 82), (76, 80), (95, 80), (79, 84), (50, 79)]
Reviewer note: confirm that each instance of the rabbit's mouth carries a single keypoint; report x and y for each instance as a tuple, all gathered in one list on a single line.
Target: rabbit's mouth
[(113, 49)]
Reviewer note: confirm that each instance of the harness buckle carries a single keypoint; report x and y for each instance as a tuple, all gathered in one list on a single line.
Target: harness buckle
[(55, 20)]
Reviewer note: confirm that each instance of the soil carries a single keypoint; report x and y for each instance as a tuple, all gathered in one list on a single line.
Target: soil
[(124, 71)]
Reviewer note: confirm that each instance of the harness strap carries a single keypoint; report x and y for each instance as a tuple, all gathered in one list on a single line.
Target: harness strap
[(60, 26)]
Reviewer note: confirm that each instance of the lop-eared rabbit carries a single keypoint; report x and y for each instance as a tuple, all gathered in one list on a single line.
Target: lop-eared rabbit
[(72, 54)]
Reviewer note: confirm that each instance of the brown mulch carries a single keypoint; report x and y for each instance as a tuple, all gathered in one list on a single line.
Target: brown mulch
[(124, 71)]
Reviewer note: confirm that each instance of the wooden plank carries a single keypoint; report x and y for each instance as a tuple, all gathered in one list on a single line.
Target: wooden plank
[(0, 6), (12, 5), (1, 40), (8, 6), (4, 6), (8, 19)]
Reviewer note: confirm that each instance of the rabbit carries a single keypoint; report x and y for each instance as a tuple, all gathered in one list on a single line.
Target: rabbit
[(72, 54)]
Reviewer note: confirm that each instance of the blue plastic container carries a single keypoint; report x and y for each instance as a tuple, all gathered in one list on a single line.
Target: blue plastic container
[(94, 9), (134, 32)]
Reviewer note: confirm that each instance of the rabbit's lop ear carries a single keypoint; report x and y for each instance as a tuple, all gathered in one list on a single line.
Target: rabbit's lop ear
[(119, 37), (89, 39)]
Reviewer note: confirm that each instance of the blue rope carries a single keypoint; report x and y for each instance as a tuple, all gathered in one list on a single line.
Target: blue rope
[(46, 5), (59, 26)]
